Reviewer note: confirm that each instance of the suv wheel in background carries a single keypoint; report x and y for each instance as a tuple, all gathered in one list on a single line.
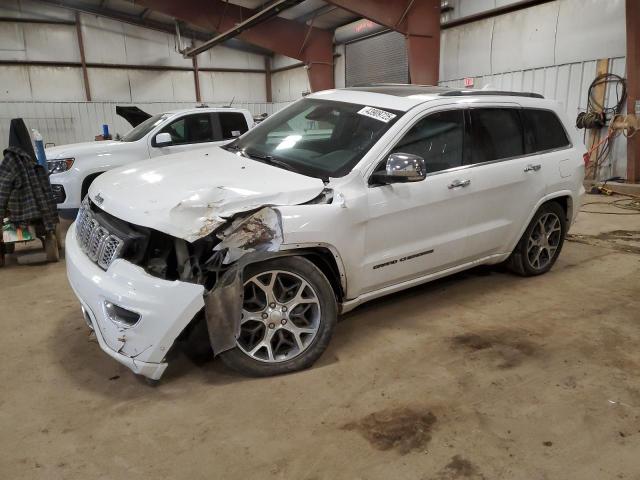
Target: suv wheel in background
[(288, 316), (540, 245)]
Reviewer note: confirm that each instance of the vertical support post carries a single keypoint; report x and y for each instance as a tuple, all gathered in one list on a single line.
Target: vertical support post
[(196, 78), (602, 66), (267, 78), (83, 61), (633, 85), (423, 50)]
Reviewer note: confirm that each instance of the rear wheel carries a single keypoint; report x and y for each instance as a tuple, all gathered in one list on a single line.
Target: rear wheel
[(288, 316), (540, 245)]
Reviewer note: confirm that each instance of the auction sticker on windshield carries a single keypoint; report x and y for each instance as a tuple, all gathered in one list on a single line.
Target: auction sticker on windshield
[(378, 114)]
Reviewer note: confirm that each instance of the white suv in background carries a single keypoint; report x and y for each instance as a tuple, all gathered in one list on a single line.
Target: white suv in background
[(342, 197), (74, 167)]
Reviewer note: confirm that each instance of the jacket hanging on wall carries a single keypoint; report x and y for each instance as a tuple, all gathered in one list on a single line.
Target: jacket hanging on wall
[(25, 191)]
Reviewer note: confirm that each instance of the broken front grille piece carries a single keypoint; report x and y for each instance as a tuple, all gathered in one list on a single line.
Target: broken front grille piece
[(101, 246)]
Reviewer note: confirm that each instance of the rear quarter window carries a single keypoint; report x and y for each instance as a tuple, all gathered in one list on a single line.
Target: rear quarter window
[(544, 130), (232, 124)]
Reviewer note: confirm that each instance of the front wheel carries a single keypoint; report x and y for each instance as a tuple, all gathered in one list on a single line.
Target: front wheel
[(288, 316), (540, 245)]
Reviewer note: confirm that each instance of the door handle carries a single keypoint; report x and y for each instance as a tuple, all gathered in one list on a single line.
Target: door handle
[(532, 168), (459, 183)]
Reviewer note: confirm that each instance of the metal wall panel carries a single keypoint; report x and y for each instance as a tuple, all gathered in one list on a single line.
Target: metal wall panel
[(382, 58), (51, 42), (564, 31), (109, 85), (227, 86), (567, 84), (230, 58), (590, 29), (150, 47), (38, 42), (71, 122), (524, 39), (282, 61), (33, 9), (15, 83), (104, 40), (12, 41), (290, 85), (62, 83)]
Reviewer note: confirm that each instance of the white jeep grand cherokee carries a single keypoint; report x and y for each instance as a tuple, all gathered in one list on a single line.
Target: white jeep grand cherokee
[(342, 197)]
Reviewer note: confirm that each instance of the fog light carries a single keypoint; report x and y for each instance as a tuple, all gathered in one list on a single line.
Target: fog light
[(120, 315)]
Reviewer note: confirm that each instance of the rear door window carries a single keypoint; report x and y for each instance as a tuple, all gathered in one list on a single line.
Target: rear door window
[(232, 124), (438, 138), (544, 130), (497, 134)]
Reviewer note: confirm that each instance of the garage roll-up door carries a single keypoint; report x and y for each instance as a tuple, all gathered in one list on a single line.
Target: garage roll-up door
[(378, 59)]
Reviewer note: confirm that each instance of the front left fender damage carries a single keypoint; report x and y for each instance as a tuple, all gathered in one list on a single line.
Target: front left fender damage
[(247, 240)]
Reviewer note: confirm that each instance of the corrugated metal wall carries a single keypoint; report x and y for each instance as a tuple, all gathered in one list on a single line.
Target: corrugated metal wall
[(106, 42), (550, 49), (569, 85), (71, 122), (289, 85)]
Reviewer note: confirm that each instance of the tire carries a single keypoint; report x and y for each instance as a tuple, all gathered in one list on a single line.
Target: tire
[(533, 255), (9, 248), (272, 340), (86, 183), (51, 247)]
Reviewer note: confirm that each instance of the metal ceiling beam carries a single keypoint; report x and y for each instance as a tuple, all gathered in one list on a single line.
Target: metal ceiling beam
[(417, 20), (92, 9), (293, 39), (260, 17), (318, 12)]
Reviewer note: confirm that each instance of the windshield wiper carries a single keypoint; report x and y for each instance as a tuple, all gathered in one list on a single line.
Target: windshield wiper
[(268, 159), (230, 147)]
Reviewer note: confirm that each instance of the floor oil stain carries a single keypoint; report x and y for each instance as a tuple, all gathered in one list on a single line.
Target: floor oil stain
[(400, 429), (460, 467), (509, 348), (621, 240)]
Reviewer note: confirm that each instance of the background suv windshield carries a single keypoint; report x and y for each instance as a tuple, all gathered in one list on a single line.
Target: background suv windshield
[(317, 137), (144, 128)]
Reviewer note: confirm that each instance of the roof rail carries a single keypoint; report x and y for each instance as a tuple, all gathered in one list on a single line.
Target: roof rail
[(464, 93)]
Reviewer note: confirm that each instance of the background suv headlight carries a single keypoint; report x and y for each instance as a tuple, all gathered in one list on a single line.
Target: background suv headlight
[(60, 165)]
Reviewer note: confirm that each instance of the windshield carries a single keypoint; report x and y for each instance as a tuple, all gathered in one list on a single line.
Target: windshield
[(318, 138), (145, 127)]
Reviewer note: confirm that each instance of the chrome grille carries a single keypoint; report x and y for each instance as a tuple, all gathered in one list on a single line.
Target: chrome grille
[(96, 241)]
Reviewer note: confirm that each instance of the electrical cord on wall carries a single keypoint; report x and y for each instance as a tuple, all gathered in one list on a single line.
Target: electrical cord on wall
[(597, 115)]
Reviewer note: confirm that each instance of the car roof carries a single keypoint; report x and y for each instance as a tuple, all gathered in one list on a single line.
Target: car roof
[(205, 109), (403, 96)]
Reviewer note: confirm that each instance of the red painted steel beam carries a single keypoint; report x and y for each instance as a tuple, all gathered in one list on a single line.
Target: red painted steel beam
[(311, 45), (418, 20), (633, 85)]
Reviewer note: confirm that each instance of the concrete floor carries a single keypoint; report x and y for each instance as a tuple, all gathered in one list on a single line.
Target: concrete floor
[(480, 376)]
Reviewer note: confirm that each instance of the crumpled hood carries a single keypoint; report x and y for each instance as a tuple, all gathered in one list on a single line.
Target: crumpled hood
[(76, 150), (190, 194)]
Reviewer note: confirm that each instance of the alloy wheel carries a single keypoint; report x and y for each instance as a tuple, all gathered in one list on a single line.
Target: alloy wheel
[(544, 240), (280, 316)]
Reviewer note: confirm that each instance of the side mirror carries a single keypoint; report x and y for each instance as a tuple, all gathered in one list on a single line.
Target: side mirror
[(401, 168), (163, 140)]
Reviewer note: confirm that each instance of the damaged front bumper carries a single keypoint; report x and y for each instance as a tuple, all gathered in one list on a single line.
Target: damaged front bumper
[(164, 308)]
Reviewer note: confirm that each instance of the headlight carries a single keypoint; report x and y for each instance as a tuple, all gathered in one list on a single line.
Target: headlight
[(60, 165)]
